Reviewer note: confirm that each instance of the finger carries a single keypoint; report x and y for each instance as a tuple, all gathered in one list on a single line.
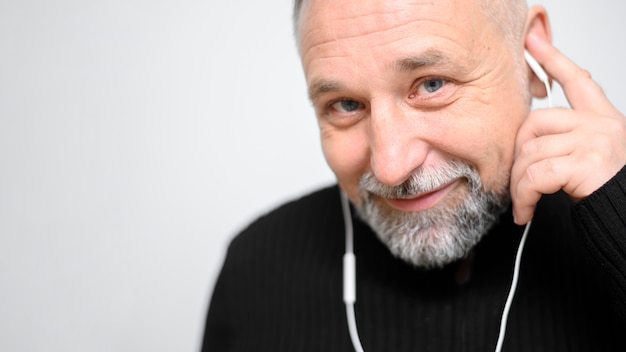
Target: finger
[(542, 122), (582, 92), (532, 153), (544, 147), (546, 176)]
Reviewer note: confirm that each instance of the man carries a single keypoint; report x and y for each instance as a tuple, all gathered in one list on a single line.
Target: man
[(424, 115)]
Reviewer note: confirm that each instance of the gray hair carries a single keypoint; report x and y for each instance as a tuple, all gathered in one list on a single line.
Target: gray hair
[(297, 6), (507, 15)]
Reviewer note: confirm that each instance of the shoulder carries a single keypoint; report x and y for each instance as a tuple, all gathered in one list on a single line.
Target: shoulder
[(270, 270), (306, 207), (297, 240), (306, 221)]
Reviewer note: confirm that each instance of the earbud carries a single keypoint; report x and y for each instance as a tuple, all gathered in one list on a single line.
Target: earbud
[(537, 69), (540, 73)]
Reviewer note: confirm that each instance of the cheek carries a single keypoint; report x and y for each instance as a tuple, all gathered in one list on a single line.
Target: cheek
[(484, 135), (347, 154)]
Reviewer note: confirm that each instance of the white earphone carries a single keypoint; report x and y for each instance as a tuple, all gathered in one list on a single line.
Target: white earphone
[(540, 73), (349, 259), (534, 65)]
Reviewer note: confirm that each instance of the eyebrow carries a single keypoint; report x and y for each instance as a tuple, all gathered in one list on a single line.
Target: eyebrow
[(429, 58), (319, 86), (426, 59)]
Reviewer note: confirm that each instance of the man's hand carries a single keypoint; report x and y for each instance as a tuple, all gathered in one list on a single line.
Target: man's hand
[(577, 149)]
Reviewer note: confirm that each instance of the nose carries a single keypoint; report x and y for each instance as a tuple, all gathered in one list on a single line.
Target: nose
[(396, 144)]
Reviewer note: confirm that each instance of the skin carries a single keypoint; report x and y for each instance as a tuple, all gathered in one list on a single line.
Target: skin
[(577, 150), (379, 55)]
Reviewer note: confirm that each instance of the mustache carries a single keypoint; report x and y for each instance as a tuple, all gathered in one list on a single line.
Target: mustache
[(423, 180)]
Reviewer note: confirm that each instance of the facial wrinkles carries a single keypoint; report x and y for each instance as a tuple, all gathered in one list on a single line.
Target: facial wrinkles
[(350, 56), (364, 69), (385, 23)]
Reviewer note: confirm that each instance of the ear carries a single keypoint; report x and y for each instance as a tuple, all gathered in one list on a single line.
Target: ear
[(538, 24)]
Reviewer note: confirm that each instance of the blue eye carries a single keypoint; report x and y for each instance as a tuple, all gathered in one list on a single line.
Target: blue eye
[(432, 85), (347, 105)]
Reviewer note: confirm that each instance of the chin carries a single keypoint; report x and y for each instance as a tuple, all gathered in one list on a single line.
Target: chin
[(441, 234)]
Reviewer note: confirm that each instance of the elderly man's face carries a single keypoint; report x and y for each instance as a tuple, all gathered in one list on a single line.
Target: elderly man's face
[(413, 89)]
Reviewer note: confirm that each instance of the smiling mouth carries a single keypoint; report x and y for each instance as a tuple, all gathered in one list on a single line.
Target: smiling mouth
[(425, 200)]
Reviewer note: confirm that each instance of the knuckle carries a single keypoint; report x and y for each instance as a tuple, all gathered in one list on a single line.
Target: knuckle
[(547, 167), (595, 159), (530, 174), (528, 148), (617, 127), (600, 144), (536, 172), (583, 74), (536, 145)]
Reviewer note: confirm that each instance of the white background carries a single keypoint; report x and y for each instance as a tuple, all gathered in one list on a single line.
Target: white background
[(138, 136)]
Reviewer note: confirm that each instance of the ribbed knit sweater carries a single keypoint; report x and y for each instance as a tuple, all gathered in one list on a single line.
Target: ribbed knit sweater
[(280, 288)]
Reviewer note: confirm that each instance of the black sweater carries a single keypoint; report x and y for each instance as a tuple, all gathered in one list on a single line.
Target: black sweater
[(281, 285)]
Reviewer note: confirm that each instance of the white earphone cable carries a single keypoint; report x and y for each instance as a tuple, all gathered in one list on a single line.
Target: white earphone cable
[(349, 280), (543, 77), (509, 299), (349, 275)]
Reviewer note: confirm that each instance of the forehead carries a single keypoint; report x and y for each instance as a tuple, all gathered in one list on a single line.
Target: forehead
[(316, 13), (344, 28)]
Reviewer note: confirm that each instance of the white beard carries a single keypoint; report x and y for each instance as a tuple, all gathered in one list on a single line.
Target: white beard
[(439, 235)]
